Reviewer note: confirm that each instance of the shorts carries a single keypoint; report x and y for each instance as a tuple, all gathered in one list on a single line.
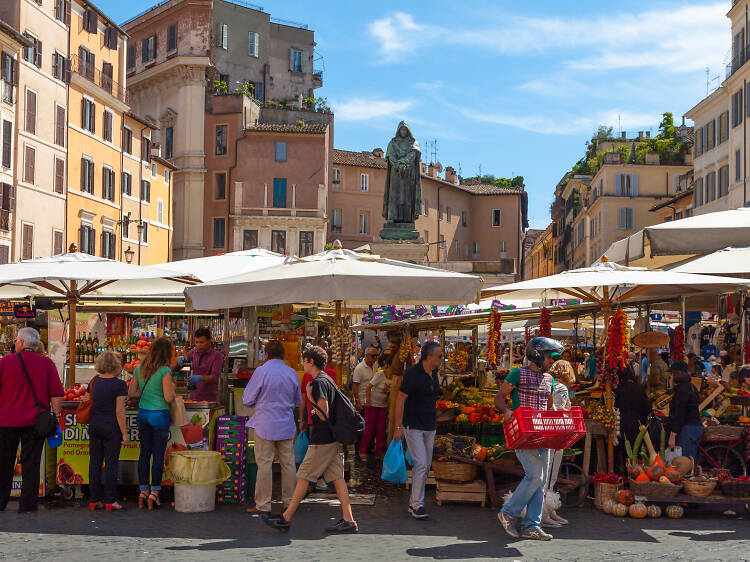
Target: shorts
[(326, 460)]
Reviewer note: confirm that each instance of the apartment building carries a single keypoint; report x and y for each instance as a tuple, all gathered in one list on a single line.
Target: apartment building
[(12, 45), (461, 222), (681, 205), (538, 253), (40, 132)]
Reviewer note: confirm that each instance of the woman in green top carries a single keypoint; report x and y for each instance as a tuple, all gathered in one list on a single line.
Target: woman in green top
[(154, 378)]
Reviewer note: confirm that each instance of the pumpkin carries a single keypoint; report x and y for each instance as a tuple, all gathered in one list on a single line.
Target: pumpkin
[(673, 474), (619, 510), (664, 480), (479, 453), (653, 511), (643, 477), (635, 471), (656, 470), (607, 506), (675, 511), (683, 464), (625, 497), (637, 510)]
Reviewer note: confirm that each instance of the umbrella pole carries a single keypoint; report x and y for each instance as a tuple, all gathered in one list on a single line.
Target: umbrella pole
[(339, 366), (72, 301), (609, 397)]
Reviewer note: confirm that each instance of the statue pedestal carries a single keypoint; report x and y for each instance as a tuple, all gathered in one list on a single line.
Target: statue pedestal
[(399, 231), (413, 251)]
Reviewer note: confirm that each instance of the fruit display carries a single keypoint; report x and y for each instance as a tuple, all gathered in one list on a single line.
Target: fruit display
[(446, 405), (625, 497), (608, 505), (637, 510), (458, 360), (545, 324), (479, 453), (619, 510), (481, 414), (598, 411), (130, 367), (494, 337), (617, 352), (404, 349), (75, 394), (675, 511), (678, 349)]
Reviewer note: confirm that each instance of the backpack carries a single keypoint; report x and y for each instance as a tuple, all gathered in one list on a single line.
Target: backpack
[(347, 425)]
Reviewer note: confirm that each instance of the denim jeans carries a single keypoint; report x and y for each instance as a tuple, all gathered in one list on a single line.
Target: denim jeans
[(530, 492), (420, 448), (104, 449), (689, 438), (153, 429)]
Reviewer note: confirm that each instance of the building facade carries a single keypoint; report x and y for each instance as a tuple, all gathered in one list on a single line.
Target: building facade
[(538, 259), (681, 205)]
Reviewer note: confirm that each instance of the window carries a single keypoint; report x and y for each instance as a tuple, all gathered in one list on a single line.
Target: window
[(60, 125), (58, 66), (33, 54), (27, 242), (90, 20), (281, 152), (146, 149), (166, 176), (59, 175), (106, 76), (131, 57), (9, 72), (336, 221), (306, 238), (7, 205), (496, 213), (463, 218), (440, 212), (108, 183), (126, 225), (108, 125), (148, 48), (127, 140), (145, 190), (31, 112), (581, 232), (222, 37), (427, 236), (279, 192), (221, 140), (710, 189), (169, 142), (336, 179), (723, 127), (688, 212), (252, 44), (724, 180), (88, 240), (475, 250), (172, 38), (224, 78), (108, 245), (87, 63), (626, 185), (737, 166), (249, 239), (87, 175), (364, 182), (363, 219), (154, 170), (29, 169), (220, 186), (295, 60), (88, 115), (426, 206), (144, 232), (127, 184), (447, 214), (278, 241), (219, 232), (160, 211), (62, 11), (737, 108), (625, 218), (698, 196), (678, 215), (57, 242)]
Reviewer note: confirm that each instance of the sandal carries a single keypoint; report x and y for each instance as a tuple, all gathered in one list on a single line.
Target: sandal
[(153, 500), (114, 506), (142, 499), (93, 506)]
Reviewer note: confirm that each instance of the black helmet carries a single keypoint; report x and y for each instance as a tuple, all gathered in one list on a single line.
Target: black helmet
[(537, 348)]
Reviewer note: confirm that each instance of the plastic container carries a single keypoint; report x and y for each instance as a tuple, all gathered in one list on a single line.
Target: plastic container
[(194, 498), (544, 429), (197, 467)]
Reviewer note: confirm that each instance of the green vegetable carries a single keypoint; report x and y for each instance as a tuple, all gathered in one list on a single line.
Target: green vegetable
[(662, 443), (644, 455), (650, 447), (637, 444), (628, 449)]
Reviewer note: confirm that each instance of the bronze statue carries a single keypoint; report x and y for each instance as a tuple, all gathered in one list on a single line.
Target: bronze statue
[(402, 200)]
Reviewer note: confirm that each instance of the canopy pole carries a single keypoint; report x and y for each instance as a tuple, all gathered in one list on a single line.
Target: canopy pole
[(683, 311), (743, 327), (224, 377), (609, 397), (510, 356), (339, 368), (72, 301)]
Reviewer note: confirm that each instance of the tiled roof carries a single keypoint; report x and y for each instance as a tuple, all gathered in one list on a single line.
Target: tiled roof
[(671, 200), (489, 189), (364, 159), (307, 128)]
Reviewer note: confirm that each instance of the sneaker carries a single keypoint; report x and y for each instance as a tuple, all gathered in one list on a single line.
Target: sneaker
[(418, 513), (256, 511), (536, 534), (276, 521), (509, 524), (321, 485), (343, 526)]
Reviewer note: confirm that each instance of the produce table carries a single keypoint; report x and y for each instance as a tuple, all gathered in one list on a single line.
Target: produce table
[(594, 429), (723, 502)]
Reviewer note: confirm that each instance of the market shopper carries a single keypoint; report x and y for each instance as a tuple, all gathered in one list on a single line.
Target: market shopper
[(273, 391), (154, 379), (25, 378), (657, 376), (361, 377), (685, 422), (376, 408), (324, 455), (416, 420), (530, 386), (107, 429), (206, 363)]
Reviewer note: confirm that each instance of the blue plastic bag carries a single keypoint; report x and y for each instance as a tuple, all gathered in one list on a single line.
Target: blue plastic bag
[(300, 447), (394, 464), (409, 460)]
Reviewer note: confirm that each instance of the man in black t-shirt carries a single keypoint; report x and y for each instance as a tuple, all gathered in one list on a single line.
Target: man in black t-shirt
[(324, 455), (415, 419)]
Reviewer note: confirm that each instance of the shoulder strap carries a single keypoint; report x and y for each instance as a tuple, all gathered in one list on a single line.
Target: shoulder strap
[(28, 378), (314, 405)]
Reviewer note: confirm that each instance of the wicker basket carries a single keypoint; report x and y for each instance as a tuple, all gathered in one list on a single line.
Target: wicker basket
[(735, 489), (722, 432), (699, 489), (655, 489), (604, 491), (455, 471)]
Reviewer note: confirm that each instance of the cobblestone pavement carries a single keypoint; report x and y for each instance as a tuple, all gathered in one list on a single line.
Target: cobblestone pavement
[(454, 532)]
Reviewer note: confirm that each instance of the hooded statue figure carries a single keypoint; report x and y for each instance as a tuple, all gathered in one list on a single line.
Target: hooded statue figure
[(402, 200)]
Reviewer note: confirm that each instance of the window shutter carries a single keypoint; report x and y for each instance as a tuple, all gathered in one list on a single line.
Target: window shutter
[(304, 61), (67, 12), (59, 175), (38, 53), (31, 112), (144, 50), (92, 116), (84, 170), (66, 71), (84, 114), (31, 157), (618, 184), (7, 140), (634, 185), (54, 65), (60, 126), (291, 59), (621, 218)]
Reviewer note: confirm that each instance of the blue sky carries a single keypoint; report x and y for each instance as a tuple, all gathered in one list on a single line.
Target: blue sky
[(515, 87)]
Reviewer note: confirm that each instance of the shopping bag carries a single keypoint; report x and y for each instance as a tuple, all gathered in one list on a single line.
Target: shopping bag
[(409, 460), (394, 464), (300, 447), (178, 412), (670, 454)]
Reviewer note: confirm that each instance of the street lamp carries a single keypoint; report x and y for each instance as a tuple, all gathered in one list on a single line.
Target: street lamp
[(129, 253)]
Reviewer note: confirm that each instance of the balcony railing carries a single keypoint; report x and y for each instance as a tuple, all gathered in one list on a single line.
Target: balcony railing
[(96, 76), (4, 220), (739, 59)]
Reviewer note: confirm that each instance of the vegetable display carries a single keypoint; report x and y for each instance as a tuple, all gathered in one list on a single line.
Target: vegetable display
[(75, 394), (545, 324), (617, 352), (494, 337), (678, 349)]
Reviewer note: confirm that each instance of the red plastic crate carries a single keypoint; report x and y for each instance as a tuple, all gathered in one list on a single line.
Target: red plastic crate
[(544, 429)]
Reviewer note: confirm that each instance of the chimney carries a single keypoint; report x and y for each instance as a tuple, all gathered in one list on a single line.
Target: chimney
[(451, 176), (623, 134), (648, 134), (431, 170), (683, 120), (423, 168), (377, 152), (640, 134)]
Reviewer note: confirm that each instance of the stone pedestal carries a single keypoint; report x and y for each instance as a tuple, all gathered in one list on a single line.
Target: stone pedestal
[(398, 231), (413, 251)]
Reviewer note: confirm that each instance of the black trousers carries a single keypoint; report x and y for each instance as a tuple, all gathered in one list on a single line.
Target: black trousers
[(31, 457), (104, 445)]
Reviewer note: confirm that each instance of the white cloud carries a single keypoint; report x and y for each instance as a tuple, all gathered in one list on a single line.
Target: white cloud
[(363, 109)]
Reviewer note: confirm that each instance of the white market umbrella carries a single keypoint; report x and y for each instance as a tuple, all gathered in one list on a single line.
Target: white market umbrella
[(729, 261), (75, 274)]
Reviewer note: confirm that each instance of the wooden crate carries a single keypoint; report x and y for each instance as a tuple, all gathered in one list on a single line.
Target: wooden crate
[(430, 479), (475, 491)]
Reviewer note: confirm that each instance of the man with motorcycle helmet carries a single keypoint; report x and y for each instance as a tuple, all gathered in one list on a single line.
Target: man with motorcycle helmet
[(530, 386)]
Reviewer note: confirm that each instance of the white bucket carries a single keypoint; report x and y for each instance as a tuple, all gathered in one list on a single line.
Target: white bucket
[(194, 498)]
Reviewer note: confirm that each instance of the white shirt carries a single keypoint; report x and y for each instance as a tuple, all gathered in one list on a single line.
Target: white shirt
[(362, 375), (694, 338), (379, 392)]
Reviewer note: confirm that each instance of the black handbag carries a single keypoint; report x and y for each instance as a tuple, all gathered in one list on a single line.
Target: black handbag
[(46, 423)]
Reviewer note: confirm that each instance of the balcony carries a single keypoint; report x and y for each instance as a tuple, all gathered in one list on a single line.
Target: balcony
[(736, 63), (7, 92), (92, 74)]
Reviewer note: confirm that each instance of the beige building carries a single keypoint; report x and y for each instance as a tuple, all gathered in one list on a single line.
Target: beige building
[(538, 254), (680, 206)]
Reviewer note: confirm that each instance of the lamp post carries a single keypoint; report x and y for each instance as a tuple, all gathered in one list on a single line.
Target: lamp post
[(129, 253)]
